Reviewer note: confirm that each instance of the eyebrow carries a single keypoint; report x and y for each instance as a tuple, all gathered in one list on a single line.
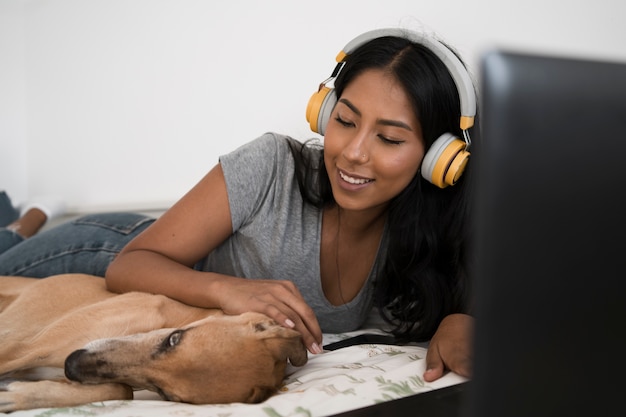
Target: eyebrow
[(386, 122)]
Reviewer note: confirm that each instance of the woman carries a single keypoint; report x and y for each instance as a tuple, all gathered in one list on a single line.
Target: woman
[(314, 237)]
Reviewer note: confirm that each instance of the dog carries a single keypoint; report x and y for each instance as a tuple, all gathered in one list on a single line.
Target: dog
[(106, 345)]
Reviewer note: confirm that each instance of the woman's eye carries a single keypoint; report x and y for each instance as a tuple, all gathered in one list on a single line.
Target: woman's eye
[(344, 122), (390, 141)]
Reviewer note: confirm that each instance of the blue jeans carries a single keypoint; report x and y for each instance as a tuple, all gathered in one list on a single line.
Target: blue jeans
[(85, 245), (8, 213)]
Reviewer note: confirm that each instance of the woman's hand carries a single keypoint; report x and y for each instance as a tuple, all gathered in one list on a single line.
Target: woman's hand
[(451, 347), (279, 300)]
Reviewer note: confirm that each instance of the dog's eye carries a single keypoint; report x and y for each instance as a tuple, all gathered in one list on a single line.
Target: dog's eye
[(173, 339)]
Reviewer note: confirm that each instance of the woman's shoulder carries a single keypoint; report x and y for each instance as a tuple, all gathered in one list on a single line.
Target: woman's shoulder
[(280, 149), (259, 151), (271, 142), (281, 141)]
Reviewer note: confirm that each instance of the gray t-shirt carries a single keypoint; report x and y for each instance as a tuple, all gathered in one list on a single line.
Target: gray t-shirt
[(276, 234)]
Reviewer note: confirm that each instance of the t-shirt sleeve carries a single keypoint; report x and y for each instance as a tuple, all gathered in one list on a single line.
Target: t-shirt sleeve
[(251, 173)]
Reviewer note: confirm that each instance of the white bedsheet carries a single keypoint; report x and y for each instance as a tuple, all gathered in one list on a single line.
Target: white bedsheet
[(329, 383)]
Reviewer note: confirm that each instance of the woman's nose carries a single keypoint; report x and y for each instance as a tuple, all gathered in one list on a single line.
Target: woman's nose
[(356, 150)]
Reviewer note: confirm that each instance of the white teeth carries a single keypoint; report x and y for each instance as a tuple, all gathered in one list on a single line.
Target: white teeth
[(353, 180)]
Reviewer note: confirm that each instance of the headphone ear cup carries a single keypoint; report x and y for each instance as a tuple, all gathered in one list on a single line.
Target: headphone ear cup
[(320, 107), (445, 161)]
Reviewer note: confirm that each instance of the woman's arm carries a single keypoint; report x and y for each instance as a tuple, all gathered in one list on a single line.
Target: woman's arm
[(161, 259)]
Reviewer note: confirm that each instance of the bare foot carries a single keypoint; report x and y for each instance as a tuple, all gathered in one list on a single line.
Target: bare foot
[(29, 223)]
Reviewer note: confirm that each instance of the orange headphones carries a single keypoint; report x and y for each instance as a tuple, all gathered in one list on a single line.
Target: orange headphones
[(447, 157)]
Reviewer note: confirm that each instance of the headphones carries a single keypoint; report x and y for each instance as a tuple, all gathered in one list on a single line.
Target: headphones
[(447, 157)]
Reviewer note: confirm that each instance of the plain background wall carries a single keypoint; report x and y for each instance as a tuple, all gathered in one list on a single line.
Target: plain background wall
[(126, 104)]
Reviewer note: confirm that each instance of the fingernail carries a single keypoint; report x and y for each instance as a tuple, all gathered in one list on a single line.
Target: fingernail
[(290, 323), (315, 348)]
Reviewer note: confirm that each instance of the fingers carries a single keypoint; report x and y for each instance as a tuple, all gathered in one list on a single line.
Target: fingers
[(300, 317), (309, 338), (306, 322), (434, 365), (450, 348), (279, 300)]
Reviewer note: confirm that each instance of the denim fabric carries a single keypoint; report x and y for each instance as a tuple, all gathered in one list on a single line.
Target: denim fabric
[(8, 213), (85, 245), (8, 239)]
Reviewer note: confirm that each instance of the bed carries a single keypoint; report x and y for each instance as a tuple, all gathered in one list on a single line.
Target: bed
[(333, 382)]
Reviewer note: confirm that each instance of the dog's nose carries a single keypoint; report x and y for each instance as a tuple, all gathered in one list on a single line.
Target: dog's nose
[(72, 368)]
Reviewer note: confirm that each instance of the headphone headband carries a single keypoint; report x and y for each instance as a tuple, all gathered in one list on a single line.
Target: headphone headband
[(445, 160), (456, 68)]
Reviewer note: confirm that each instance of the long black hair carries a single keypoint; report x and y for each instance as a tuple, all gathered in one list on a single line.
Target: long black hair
[(424, 275)]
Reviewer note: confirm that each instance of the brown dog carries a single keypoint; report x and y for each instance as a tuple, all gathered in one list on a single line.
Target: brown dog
[(110, 344)]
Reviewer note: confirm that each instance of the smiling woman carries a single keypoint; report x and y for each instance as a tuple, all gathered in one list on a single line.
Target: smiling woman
[(317, 236)]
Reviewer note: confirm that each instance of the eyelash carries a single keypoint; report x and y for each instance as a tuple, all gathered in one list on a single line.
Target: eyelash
[(343, 122), (382, 138)]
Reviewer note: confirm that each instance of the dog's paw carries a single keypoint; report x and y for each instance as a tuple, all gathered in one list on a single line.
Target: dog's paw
[(26, 395), (7, 400), (5, 382), (16, 395), (5, 407)]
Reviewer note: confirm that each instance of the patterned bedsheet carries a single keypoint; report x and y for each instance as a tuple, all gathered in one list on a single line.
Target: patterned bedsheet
[(330, 383)]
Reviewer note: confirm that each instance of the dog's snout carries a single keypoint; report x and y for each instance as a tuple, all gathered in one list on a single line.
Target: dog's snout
[(84, 366), (72, 368)]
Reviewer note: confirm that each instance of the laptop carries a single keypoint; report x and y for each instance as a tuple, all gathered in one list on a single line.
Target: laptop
[(551, 276), (550, 281)]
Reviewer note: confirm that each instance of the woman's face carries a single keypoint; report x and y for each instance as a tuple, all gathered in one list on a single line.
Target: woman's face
[(373, 145)]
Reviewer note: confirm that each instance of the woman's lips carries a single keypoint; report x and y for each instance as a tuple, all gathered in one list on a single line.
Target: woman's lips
[(353, 180)]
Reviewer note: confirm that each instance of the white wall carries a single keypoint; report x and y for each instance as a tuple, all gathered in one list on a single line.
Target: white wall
[(125, 104), (14, 166)]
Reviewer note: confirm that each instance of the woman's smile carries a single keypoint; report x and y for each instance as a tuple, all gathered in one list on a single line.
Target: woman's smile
[(353, 179)]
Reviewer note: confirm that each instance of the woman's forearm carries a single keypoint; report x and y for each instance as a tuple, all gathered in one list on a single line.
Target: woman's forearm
[(147, 271)]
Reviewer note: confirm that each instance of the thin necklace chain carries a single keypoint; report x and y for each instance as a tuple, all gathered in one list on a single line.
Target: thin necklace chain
[(337, 256)]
